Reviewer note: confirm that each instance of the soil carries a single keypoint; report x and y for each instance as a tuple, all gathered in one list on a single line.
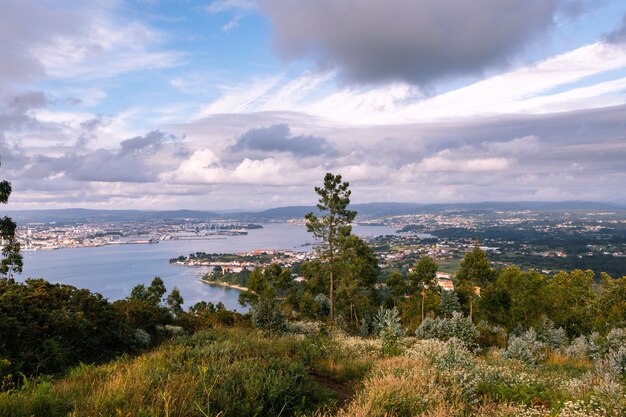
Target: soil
[(344, 390)]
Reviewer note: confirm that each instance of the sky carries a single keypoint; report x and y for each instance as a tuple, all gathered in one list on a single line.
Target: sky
[(246, 104)]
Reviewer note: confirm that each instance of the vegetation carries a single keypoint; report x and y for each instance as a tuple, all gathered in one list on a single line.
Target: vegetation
[(11, 258), (333, 226), (335, 343)]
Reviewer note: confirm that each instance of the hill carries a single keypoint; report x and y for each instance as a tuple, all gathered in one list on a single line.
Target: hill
[(366, 210)]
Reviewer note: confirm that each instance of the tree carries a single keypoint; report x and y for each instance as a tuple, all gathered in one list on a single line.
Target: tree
[(423, 277), (332, 225), (175, 302), (11, 258), (357, 271), (475, 271), (152, 295)]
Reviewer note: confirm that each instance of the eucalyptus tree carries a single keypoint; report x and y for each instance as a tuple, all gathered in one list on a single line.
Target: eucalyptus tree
[(332, 225), (423, 277)]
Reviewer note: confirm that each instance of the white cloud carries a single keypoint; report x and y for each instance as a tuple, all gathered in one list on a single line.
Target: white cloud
[(545, 87), (219, 6), (106, 50), (443, 162)]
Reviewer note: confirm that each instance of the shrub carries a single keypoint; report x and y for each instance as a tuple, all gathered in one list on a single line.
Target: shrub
[(387, 322), (323, 305), (491, 335), (267, 315), (457, 326), (616, 338), (549, 335), (142, 337), (525, 348), (614, 363)]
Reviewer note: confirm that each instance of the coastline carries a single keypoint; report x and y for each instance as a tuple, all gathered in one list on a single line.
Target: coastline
[(224, 284)]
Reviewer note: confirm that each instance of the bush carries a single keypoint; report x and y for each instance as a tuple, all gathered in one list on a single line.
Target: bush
[(458, 327), (387, 322), (525, 348), (267, 315), (616, 338), (554, 338)]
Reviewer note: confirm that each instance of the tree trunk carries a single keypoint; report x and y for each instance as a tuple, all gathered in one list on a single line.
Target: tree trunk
[(332, 298)]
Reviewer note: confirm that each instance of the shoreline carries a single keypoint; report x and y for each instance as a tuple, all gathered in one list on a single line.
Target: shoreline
[(224, 284)]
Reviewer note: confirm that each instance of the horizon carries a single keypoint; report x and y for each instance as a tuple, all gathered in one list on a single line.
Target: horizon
[(247, 103), (252, 210)]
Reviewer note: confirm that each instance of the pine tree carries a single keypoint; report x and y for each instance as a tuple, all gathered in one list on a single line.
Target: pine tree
[(332, 225)]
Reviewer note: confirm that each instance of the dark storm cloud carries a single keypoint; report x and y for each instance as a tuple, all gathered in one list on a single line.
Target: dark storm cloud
[(277, 138), (417, 41), (619, 34)]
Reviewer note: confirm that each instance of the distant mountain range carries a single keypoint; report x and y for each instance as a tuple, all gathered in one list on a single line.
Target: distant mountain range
[(369, 210)]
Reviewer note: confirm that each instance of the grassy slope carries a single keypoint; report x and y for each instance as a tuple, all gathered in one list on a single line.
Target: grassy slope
[(239, 372)]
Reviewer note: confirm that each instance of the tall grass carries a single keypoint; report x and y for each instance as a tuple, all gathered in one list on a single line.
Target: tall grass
[(228, 372), (239, 372)]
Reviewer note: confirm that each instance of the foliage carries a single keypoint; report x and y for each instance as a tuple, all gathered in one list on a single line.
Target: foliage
[(11, 258), (333, 226), (449, 303), (389, 328), (457, 326), (422, 278), (475, 271), (225, 372), (267, 315)]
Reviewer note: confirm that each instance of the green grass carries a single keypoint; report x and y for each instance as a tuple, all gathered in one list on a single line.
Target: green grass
[(240, 372)]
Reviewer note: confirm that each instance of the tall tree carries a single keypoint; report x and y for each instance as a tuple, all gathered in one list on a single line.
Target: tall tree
[(475, 271), (11, 258), (332, 225), (423, 277)]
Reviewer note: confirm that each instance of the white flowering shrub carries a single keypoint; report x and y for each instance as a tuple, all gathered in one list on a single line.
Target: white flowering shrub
[(457, 326), (306, 328)]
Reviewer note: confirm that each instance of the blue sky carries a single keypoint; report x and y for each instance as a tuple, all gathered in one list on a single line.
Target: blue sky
[(246, 104)]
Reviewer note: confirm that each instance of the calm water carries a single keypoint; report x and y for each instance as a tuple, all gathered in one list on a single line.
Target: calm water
[(114, 270)]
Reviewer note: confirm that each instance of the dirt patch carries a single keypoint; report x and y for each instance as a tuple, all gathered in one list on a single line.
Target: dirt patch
[(344, 390)]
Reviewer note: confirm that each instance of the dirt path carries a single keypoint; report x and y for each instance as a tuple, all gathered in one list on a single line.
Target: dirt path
[(344, 390)]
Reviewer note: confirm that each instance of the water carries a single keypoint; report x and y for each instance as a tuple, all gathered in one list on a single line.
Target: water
[(114, 270)]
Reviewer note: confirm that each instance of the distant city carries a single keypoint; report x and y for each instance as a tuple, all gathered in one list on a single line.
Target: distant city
[(550, 239)]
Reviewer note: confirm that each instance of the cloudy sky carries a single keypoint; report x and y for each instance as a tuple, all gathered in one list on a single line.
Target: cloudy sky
[(245, 104)]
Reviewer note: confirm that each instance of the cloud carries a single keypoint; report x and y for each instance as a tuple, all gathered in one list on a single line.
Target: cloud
[(443, 162), (414, 41), (240, 7), (278, 138), (73, 39), (148, 144), (219, 6), (140, 159), (619, 34)]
